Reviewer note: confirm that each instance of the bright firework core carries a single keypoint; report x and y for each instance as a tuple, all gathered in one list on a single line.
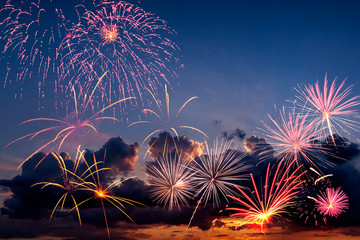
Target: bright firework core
[(100, 193), (109, 33)]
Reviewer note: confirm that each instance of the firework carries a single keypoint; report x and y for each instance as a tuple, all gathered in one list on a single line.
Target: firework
[(294, 138), (92, 183), (216, 172), (278, 194), (332, 202), (75, 123), (331, 107), (68, 178), (171, 180), (32, 32), (314, 183), (164, 120), (130, 43)]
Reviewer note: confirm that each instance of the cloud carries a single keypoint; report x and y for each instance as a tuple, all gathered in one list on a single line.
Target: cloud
[(119, 156), (237, 133), (28, 202), (34, 203), (258, 147), (183, 144), (217, 122)]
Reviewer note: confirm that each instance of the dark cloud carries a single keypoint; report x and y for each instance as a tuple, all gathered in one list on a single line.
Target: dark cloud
[(119, 156), (217, 122), (237, 133), (167, 142), (63, 229), (339, 150), (34, 203), (259, 148), (27, 201)]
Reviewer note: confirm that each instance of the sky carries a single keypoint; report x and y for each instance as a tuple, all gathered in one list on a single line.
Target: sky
[(242, 59)]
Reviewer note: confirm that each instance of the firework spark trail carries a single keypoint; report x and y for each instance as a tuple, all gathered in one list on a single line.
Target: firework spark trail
[(163, 116), (332, 202), (132, 44), (74, 124), (218, 170), (294, 138), (32, 32), (66, 183), (315, 182), (331, 107), (100, 191), (279, 193), (171, 180)]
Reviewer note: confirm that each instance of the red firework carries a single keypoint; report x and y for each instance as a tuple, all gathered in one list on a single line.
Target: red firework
[(279, 194)]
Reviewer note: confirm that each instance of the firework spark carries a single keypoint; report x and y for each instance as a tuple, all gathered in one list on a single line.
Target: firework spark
[(332, 202), (331, 107), (279, 193), (171, 180), (130, 43), (218, 170), (163, 117), (294, 138), (68, 178), (314, 183), (75, 123), (32, 32), (100, 191)]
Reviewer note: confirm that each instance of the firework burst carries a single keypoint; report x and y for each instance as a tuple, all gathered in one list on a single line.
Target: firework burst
[(67, 183), (294, 138), (332, 107), (92, 183), (314, 183), (277, 194), (32, 32), (332, 202), (171, 180), (216, 172), (75, 123), (164, 120), (130, 43)]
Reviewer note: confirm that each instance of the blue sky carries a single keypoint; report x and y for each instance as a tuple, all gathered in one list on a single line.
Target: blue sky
[(241, 58)]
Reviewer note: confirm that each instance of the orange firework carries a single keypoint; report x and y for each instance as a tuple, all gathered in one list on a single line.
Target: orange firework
[(100, 191), (278, 195), (67, 185), (74, 124)]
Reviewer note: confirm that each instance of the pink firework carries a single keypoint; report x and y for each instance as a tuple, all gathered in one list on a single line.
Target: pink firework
[(332, 202), (294, 138), (76, 124), (31, 35), (278, 194), (331, 107), (133, 45)]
